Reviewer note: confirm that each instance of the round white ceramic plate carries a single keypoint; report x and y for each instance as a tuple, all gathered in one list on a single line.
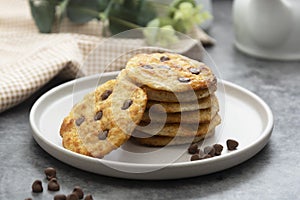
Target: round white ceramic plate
[(245, 117)]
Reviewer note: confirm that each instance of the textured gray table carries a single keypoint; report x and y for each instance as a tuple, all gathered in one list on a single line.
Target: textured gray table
[(272, 174)]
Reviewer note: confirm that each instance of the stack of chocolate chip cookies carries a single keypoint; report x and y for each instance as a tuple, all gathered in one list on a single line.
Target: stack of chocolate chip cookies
[(158, 99), (181, 107)]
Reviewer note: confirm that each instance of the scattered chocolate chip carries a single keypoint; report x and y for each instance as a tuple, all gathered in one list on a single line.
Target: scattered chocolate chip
[(106, 94), (72, 196), (193, 149), (164, 58), (195, 71), (209, 150), (37, 186), (103, 134), (183, 79), (164, 67), (147, 66), (218, 149), (79, 121), (60, 197), (126, 104), (53, 185), (201, 153), (206, 156), (28, 199), (78, 191), (195, 157), (98, 115), (231, 144), (50, 173), (88, 197)]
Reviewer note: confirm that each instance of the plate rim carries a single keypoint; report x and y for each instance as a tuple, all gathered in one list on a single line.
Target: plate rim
[(37, 134)]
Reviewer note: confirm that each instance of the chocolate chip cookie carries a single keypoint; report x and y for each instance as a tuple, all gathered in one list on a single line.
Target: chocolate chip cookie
[(104, 119)]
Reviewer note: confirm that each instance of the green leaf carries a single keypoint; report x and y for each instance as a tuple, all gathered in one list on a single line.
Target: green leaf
[(119, 14), (43, 13), (176, 3), (146, 13), (117, 25), (82, 11), (130, 14), (62, 6)]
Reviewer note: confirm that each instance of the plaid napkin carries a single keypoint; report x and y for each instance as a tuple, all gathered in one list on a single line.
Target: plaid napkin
[(28, 59)]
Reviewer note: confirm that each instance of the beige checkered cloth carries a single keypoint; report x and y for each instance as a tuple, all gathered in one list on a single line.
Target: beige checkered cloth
[(28, 60)]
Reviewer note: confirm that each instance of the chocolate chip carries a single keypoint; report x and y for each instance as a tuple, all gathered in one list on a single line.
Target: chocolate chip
[(231, 144), (98, 115), (88, 197), (195, 71), (164, 67), (103, 135), (218, 149), (37, 186), (72, 196), (106, 94), (147, 66), (79, 121), (60, 197), (126, 104), (195, 157), (183, 79), (50, 173), (164, 58), (201, 153), (28, 199), (53, 185), (206, 156), (193, 149), (78, 191), (209, 150)]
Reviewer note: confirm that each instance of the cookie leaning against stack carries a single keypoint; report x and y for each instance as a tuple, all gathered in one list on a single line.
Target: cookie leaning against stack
[(180, 87), (104, 119)]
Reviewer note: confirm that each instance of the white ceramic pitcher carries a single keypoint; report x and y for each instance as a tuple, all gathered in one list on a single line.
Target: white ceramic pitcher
[(268, 28)]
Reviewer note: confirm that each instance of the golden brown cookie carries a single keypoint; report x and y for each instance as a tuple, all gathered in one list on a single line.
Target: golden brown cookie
[(169, 72), (198, 116), (203, 103), (176, 129), (159, 141), (104, 119), (165, 96)]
